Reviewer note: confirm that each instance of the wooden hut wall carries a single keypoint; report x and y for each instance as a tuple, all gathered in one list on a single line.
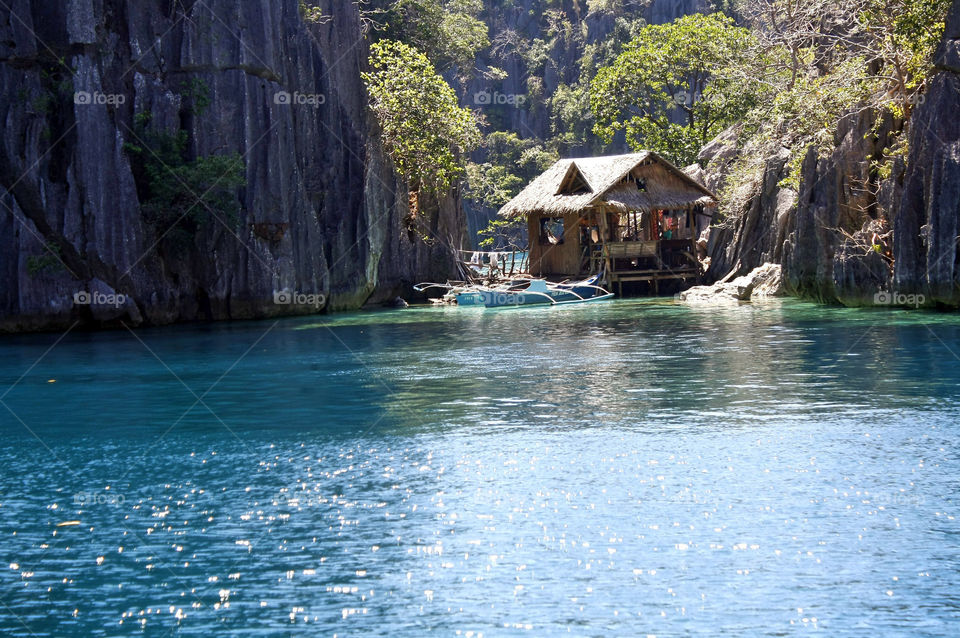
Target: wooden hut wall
[(555, 259), (533, 243)]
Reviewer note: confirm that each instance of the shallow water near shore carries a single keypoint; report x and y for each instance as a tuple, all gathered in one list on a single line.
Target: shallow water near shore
[(626, 468)]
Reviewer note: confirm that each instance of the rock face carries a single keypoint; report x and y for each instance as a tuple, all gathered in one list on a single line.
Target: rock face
[(800, 230), (837, 193), (822, 233), (755, 234), (926, 226), (760, 283), (321, 213)]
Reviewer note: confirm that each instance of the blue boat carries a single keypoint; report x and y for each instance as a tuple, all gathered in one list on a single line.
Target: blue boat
[(541, 291)]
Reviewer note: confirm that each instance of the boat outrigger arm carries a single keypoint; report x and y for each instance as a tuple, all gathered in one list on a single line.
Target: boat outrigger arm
[(600, 296), (428, 285), (579, 298)]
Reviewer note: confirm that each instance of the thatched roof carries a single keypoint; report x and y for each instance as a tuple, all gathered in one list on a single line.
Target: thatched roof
[(551, 192)]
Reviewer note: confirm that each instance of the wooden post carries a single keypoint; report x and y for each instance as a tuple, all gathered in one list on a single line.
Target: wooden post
[(607, 277)]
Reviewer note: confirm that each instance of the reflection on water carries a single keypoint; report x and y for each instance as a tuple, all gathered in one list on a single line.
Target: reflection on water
[(629, 468)]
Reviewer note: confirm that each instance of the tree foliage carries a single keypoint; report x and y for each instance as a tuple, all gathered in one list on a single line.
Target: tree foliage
[(511, 163), (672, 89), (423, 128), (893, 40), (446, 31), (820, 60), (502, 234)]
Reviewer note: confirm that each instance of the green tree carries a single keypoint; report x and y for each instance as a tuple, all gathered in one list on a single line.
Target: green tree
[(511, 163), (675, 86), (423, 128), (906, 35), (821, 60), (504, 234), (491, 185), (447, 31)]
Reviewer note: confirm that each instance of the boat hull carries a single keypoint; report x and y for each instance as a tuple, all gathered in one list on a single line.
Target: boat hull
[(539, 292), (471, 298)]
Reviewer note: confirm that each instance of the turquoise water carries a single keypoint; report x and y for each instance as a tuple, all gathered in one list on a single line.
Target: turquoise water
[(628, 468)]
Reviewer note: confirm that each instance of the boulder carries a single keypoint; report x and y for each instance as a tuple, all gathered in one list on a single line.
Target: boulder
[(762, 282)]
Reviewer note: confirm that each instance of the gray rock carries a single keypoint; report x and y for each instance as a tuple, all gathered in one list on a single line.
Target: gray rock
[(947, 57), (926, 224), (322, 210), (762, 282), (860, 270), (839, 198)]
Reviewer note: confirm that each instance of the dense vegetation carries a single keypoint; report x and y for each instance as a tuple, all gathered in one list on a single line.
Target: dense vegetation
[(692, 64), (179, 193), (586, 77), (817, 61)]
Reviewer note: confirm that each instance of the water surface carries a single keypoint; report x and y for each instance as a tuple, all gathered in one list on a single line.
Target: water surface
[(627, 468)]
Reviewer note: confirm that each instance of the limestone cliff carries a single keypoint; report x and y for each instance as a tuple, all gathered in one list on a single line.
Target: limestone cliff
[(926, 229), (821, 233), (321, 211)]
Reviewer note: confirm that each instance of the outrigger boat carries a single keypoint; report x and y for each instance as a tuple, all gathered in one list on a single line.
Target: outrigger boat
[(541, 291), (521, 292)]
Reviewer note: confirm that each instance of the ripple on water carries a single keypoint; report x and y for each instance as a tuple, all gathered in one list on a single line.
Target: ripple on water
[(639, 469)]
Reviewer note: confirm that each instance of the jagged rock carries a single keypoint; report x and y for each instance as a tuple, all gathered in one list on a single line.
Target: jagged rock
[(862, 264), (696, 173), (947, 57), (718, 156), (839, 195), (805, 231), (764, 281), (755, 234), (926, 225), (322, 210)]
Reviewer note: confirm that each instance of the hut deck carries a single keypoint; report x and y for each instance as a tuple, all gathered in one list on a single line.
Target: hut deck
[(618, 278)]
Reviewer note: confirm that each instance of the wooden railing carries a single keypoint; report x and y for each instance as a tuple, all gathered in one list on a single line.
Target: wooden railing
[(631, 249)]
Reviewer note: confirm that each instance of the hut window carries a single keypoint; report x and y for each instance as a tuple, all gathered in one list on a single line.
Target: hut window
[(642, 185), (551, 230)]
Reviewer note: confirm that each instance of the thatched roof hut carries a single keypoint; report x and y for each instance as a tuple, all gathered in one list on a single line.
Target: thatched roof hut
[(574, 185), (635, 217)]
